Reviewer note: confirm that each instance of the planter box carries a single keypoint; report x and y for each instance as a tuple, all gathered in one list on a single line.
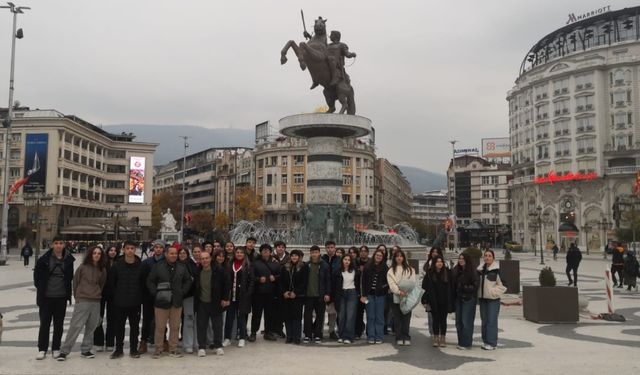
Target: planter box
[(557, 304), (510, 273)]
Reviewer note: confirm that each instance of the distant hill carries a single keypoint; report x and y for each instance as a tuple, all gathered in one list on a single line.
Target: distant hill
[(422, 180), (171, 145)]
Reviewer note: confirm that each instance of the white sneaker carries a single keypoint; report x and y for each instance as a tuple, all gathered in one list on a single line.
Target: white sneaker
[(488, 347), (99, 349), (461, 347), (340, 341), (347, 342), (202, 353), (241, 343), (226, 343), (219, 351), (400, 343), (407, 342), (41, 356), (188, 351), (56, 354)]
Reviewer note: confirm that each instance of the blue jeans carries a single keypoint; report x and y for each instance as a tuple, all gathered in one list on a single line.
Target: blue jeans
[(465, 315), (375, 317), (489, 310), (233, 313), (347, 314)]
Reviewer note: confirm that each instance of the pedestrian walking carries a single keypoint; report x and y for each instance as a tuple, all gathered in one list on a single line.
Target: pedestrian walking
[(346, 293), (465, 281), (555, 250), (374, 293), (26, 253), (402, 279), (88, 283), (127, 282), (574, 257), (169, 281), (52, 277), (617, 265), (631, 271), (490, 291), (294, 277)]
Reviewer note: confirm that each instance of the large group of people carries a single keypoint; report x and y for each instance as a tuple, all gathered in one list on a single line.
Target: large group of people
[(196, 298)]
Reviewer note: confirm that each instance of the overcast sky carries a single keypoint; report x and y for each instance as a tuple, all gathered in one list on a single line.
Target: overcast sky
[(426, 71)]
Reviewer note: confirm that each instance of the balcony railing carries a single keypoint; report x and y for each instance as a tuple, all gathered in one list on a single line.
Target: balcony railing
[(622, 170)]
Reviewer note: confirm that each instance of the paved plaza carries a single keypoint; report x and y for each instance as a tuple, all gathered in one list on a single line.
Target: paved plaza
[(589, 347)]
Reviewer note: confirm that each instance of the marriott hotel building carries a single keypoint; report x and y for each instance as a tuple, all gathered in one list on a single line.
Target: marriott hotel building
[(574, 124)]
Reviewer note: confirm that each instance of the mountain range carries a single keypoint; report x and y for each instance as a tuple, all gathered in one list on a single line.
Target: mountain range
[(171, 147)]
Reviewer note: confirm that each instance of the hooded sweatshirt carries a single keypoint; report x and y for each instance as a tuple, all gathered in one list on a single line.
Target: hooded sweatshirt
[(88, 283)]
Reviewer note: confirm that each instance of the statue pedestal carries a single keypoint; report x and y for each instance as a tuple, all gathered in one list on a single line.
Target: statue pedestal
[(170, 237), (325, 216)]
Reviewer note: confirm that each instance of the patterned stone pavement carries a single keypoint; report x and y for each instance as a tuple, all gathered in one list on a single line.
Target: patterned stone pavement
[(591, 346)]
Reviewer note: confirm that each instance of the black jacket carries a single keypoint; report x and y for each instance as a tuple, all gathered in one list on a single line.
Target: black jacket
[(193, 269), (220, 287), (176, 274), (574, 256), (439, 290), (294, 279), (41, 274), (266, 269), (147, 265), (336, 284), (465, 288), (324, 278), (382, 285), (244, 286), (126, 282)]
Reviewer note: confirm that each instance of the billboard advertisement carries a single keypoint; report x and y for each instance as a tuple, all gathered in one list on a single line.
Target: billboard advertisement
[(136, 179), (496, 148), (35, 162)]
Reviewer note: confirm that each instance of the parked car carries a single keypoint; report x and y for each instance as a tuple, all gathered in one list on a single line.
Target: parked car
[(512, 246)]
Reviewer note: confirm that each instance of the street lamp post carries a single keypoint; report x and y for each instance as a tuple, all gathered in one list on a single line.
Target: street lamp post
[(39, 199), (452, 192), (184, 179), (538, 216), (4, 230), (604, 224), (117, 213)]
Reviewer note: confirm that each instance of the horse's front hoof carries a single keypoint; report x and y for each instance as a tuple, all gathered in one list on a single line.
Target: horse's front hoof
[(283, 60)]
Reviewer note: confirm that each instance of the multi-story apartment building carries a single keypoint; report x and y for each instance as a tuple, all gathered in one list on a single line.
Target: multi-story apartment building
[(575, 130), (431, 207), (81, 178), (394, 193)]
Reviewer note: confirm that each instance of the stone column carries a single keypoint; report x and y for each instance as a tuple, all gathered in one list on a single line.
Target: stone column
[(324, 170)]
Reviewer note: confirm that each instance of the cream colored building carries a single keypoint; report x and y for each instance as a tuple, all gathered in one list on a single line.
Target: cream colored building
[(394, 194), (281, 172), (575, 130), (87, 178)]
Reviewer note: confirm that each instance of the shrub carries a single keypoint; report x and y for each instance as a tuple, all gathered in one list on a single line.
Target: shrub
[(547, 278), (507, 255)]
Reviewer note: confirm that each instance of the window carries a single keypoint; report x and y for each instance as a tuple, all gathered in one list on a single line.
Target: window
[(346, 162), (269, 199), (357, 180), (562, 128), (543, 152), (585, 124), (346, 179), (16, 137), (494, 194), (563, 148), (494, 180), (542, 132), (14, 172), (298, 178), (618, 98), (563, 168), (584, 81), (495, 207), (298, 198), (542, 112), (274, 160), (620, 120), (14, 155), (486, 208), (485, 180), (269, 179), (285, 179), (260, 163), (283, 198), (586, 166), (540, 92), (357, 198), (346, 198), (584, 103), (561, 107), (284, 160), (561, 86), (260, 182), (298, 160)]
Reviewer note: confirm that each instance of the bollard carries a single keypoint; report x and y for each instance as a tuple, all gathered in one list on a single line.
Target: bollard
[(609, 289)]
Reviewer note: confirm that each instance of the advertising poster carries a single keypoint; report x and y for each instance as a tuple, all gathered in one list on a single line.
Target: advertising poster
[(35, 162), (136, 179)]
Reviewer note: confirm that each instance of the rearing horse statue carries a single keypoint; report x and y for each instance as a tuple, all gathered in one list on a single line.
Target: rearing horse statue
[(313, 55)]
